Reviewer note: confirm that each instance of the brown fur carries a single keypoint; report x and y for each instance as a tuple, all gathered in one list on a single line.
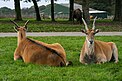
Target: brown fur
[(33, 52), (97, 51), (77, 14), (37, 52)]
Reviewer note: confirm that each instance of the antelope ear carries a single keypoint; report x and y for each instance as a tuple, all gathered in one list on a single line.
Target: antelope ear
[(83, 31), (96, 31)]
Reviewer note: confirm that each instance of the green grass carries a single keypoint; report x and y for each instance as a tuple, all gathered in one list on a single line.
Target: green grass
[(59, 26), (11, 70)]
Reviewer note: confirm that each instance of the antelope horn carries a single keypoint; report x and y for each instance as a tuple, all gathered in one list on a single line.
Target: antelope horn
[(26, 22), (85, 24), (94, 23), (15, 23)]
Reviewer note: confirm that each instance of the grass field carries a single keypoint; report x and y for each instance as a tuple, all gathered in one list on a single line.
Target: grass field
[(59, 26), (11, 70)]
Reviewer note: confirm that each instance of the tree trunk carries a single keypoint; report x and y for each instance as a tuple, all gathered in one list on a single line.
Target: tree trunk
[(17, 10), (118, 11), (85, 8), (52, 10), (71, 10), (38, 18)]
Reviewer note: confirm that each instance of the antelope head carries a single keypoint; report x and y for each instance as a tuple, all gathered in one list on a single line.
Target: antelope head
[(90, 32), (20, 28)]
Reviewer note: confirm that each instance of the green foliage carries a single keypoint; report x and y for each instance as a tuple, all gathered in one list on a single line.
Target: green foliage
[(105, 5), (26, 12), (6, 11), (11, 70)]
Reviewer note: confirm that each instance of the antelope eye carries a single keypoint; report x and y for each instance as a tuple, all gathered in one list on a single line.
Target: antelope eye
[(86, 33)]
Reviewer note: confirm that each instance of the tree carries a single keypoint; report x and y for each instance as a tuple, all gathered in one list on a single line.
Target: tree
[(104, 5), (17, 10), (78, 1), (6, 11), (118, 11), (38, 18), (85, 8), (71, 9), (52, 10)]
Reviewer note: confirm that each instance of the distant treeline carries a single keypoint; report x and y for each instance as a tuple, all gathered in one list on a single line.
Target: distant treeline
[(26, 12)]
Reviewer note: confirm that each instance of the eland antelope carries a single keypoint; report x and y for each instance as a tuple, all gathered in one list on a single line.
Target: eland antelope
[(95, 51), (37, 52)]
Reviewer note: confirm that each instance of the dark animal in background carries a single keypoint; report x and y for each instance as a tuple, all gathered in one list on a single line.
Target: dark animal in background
[(77, 14)]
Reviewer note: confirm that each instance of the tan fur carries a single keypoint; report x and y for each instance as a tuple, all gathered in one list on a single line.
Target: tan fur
[(103, 52), (55, 46), (97, 51), (30, 52), (37, 52)]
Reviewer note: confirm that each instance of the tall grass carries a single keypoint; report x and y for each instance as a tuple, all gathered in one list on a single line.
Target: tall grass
[(11, 70)]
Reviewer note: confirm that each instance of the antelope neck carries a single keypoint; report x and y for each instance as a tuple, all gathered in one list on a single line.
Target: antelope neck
[(21, 35), (89, 47)]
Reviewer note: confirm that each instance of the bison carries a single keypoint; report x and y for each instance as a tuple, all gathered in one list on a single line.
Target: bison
[(77, 14)]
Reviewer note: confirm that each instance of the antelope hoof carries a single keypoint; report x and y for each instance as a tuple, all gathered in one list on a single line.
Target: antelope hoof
[(103, 62), (116, 62), (16, 57), (69, 63), (98, 63)]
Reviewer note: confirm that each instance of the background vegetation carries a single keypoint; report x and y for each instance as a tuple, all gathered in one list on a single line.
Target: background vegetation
[(59, 26), (111, 6), (26, 12), (11, 70), (30, 12), (104, 5)]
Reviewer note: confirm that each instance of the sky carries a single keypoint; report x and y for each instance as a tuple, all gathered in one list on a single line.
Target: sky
[(10, 4)]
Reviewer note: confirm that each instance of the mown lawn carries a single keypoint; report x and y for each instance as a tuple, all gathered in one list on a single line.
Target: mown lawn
[(59, 26), (11, 70)]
